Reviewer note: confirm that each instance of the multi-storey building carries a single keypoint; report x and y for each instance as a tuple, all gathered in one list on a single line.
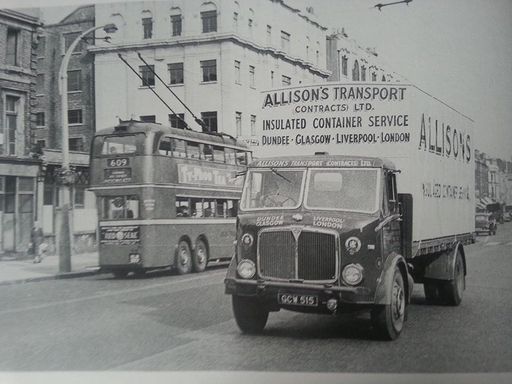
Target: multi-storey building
[(19, 167), (215, 55), (481, 176), (347, 61), (54, 41)]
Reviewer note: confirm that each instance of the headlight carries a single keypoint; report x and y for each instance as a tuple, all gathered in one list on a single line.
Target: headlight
[(134, 258), (246, 269), (247, 240), (352, 274)]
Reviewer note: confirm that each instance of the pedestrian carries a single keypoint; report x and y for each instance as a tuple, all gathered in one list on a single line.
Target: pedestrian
[(37, 242)]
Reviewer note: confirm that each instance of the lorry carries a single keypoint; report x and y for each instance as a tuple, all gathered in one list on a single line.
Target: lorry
[(372, 191)]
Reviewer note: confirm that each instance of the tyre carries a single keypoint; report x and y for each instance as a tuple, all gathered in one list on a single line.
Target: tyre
[(388, 320), (120, 274), (200, 258), (431, 290), (183, 260), (453, 290), (250, 315)]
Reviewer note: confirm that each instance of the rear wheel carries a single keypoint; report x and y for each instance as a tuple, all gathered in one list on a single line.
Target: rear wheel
[(200, 256), (452, 291), (388, 320), (250, 315), (183, 258), (431, 290)]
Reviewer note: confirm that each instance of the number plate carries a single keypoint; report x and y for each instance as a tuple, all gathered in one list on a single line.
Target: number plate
[(297, 299)]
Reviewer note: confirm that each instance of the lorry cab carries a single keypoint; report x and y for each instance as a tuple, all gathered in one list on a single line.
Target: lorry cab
[(320, 234)]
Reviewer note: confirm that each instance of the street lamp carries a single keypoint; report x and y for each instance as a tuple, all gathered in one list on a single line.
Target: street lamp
[(67, 176)]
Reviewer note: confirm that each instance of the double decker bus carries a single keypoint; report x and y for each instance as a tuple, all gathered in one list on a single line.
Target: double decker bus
[(166, 197)]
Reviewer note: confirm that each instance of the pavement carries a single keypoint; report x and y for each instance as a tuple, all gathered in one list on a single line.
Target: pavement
[(22, 271)]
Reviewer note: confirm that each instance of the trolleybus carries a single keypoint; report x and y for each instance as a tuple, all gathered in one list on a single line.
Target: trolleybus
[(166, 197)]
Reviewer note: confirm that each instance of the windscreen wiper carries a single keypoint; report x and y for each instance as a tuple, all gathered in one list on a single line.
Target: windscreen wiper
[(274, 171)]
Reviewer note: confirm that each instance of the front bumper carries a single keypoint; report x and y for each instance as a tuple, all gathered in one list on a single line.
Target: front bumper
[(267, 291)]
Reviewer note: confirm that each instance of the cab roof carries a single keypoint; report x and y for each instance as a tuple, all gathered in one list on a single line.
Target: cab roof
[(134, 126), (323, 161)]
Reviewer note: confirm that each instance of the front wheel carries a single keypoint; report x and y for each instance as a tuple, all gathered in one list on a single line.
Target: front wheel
[(250, 315), (388, 320), (183, 258)]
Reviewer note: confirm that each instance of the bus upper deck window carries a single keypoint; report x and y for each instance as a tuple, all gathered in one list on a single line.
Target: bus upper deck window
[(165, 147), (208, 152), (218, 154), (230, 155), (193, 150), (178, 148), (241, 158), (119, 144)]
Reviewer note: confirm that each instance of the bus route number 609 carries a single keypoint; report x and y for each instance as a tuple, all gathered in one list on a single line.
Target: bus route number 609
[(118, 162)]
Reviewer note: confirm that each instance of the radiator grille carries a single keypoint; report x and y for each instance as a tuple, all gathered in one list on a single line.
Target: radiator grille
[(311, 257)]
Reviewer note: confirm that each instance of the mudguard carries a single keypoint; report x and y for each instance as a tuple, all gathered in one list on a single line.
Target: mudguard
[(442, 267), (382, 293)]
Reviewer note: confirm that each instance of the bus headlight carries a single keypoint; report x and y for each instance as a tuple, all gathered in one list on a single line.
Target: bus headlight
[(352, 274), (246, 269), (247, 240)]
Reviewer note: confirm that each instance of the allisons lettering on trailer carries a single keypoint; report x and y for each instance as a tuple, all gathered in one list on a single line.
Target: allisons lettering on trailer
[(443, 140), (316, 163)]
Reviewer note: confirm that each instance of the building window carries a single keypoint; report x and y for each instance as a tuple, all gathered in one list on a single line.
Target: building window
[(76, 144), (209, 20), (68, 40), (74, 81), (177, 120), (269, 35), (238, 123), (344, 65), (383, 78), (235, 21), (209, 70), (374, 76), (176, 25), (285, 80), (251, 76), (11, 53), (363, 73), (75, 116), (40, 119), (285, 41), (12, 114), (148, 77), (253, 125), (40, 84), (147, 26), (79, 196), (41, 46), (176, 73), (237, 72), (148, 119), (355, 71), (210, 119), (41, 144)]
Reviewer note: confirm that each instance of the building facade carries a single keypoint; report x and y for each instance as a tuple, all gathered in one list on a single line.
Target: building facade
[(215, 55), (481, 176), (347, 61), (54, 41), (19, 166)]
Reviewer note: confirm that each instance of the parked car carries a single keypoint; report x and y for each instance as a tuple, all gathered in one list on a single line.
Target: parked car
[(507, 216), (485, 222)]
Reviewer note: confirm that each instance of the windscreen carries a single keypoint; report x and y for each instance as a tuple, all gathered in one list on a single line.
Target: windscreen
[(343, 189), (122, 144), (272, 188)]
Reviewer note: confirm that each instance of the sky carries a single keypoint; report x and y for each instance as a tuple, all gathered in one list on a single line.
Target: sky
[(460, 51)]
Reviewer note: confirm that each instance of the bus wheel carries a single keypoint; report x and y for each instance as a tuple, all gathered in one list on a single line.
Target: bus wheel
[(388, 320), (183, 258), (200, 256), (251, 317)]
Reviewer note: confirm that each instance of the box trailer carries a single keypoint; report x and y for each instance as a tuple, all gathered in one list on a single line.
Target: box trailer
[(373, 188)]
